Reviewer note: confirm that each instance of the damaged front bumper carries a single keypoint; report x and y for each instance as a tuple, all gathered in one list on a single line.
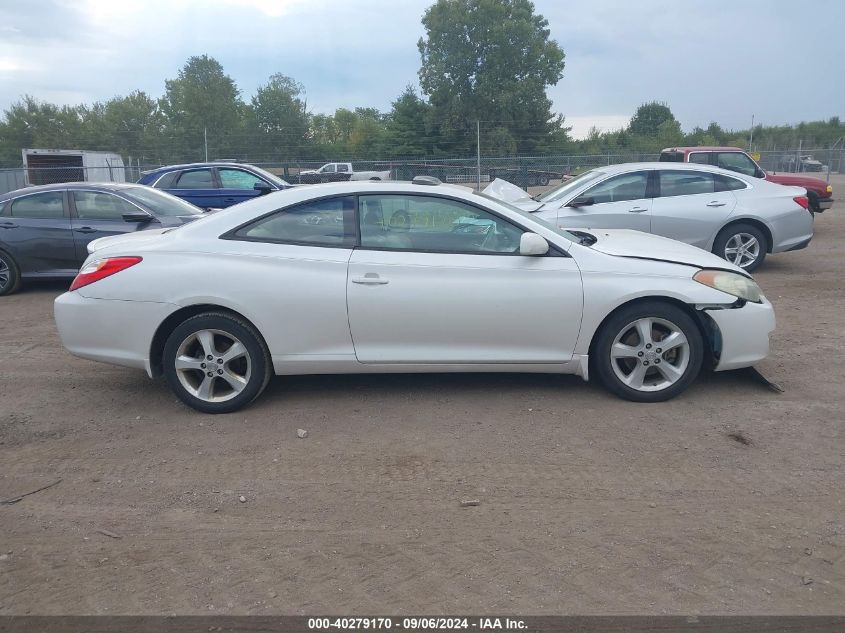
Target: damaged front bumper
[(742, 332)]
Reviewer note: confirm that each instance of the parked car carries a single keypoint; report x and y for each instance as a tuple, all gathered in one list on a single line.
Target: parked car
[(738, 217), (340, 172), (214, 185), (325, 279), (524, 176), (819, 192), (45, 230)]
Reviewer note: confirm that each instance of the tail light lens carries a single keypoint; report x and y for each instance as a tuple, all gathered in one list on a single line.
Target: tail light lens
[(804, 201), (101, 269)]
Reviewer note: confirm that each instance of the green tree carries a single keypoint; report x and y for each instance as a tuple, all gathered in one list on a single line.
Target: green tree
[(489, 60), (407, 133), (30, 123), (202, 97), (649, 117), (281, 116)]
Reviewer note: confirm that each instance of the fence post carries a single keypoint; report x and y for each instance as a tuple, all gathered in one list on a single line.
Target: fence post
[(478, 151)]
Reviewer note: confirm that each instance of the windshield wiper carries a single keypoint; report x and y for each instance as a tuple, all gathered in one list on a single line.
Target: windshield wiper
[(585, 239)]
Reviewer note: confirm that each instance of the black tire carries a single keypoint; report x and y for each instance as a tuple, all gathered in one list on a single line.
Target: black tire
[(729, 232), (603, 364), (260, 364), (10, 274), (543, 180), (813, 199)]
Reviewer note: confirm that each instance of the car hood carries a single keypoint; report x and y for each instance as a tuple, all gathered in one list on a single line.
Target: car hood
[(508, 192), (136, 238), (636, 244), (796, 181)]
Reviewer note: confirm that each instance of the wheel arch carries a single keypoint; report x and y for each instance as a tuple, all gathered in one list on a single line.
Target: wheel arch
[(758, 224), (173, 320), (706, 326)]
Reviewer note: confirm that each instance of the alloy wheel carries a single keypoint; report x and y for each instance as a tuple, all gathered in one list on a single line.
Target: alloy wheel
[(650, 354), (742, 249), (5, 273), (213, 365)]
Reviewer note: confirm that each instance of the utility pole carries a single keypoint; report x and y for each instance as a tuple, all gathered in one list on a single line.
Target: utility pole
[(205, 141), (478, 151), (751, 136)]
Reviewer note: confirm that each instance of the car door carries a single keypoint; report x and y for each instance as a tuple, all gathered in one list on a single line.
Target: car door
[(35, 229), (622, 201), (327, 173), (238, 185), (290, 269), (96, 214), (689, 207), (199, 187), (436, 280)]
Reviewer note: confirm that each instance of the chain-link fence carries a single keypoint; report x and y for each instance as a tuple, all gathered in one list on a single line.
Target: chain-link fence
[(17, 178), (523, 171)]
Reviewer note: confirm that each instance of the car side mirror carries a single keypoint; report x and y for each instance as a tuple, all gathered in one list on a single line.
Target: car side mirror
[(582, 201), (533, 244), (137, 216), (760, 173), (262, 188)]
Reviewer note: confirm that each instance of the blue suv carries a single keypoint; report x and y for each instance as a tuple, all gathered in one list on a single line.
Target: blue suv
[(214, 185)]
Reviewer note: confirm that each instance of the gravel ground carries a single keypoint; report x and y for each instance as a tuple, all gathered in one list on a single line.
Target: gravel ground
[(728, 499)]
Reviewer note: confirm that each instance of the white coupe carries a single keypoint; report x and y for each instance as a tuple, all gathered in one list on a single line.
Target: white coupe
[(406, 277)]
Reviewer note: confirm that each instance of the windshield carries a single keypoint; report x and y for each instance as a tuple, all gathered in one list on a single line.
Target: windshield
[(271, 177), (561, 191), (159, 202), (529, 216)]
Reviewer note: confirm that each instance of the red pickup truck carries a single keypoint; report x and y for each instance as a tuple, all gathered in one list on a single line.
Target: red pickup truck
[(819, 192)]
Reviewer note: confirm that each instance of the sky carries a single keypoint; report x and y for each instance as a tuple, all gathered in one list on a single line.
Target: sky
[(709, 60)]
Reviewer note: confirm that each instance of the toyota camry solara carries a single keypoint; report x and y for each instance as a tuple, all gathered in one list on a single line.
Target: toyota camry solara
[(406, 277)]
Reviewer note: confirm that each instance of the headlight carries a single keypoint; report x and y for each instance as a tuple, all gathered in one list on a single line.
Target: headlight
[(829, 189), (732, 283)]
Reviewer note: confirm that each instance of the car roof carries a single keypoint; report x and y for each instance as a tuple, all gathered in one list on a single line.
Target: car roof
[(704, 148), (215, 163), (626, 167), (60, 186)]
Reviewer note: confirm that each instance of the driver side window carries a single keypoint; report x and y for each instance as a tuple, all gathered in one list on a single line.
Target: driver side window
[(619, 188), (429, 224), (738, 162)]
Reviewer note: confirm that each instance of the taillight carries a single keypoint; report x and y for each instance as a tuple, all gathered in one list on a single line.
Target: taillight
[(101, 269), (804, 201)]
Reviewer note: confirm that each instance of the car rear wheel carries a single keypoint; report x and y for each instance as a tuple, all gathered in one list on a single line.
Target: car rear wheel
[(216, 362), (813, 200), (10, 274), (743, 245), (649, 352)]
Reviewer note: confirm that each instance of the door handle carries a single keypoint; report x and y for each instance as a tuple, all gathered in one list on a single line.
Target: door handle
[(85, 229), (370, 279), (229, 199), (8, 225), (637, 210), (716, 203)]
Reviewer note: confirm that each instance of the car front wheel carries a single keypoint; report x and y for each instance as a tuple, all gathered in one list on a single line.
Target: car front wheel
[(743, 245), (10, 274), (216, 362), (648, 352)]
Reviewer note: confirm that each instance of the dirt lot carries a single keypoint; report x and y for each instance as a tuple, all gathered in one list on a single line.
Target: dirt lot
[(588, 504)]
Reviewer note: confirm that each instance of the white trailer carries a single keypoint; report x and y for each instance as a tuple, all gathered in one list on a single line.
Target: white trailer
[(48, 166)]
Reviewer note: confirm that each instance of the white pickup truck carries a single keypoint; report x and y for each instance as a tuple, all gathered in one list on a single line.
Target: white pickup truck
[(336, 172)]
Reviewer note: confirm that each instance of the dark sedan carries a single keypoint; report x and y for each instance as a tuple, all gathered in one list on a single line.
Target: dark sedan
[(215, 185), (45, 231)]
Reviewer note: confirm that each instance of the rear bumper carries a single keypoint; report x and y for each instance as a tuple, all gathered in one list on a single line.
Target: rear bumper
[(109, 331), (744, 333), (801, 245)]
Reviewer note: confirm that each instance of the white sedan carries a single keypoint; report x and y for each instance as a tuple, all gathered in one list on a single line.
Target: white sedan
[(369, 277), (738, 217)]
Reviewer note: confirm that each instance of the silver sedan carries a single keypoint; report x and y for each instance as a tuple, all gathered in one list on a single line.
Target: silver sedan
[(736, 217)]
